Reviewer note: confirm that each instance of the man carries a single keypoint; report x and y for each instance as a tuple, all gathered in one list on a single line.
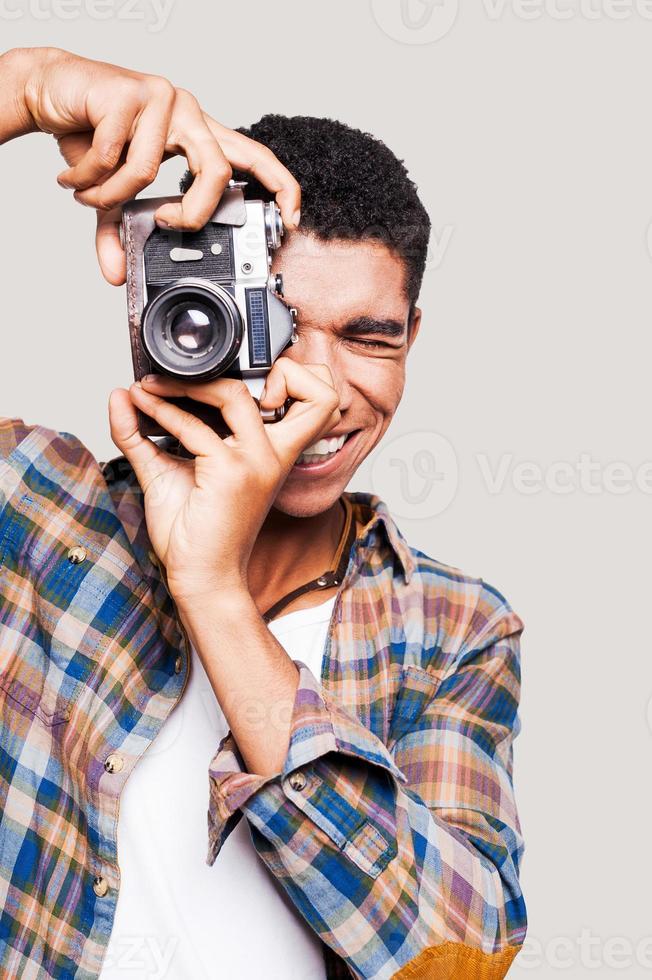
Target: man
[(382, 837)]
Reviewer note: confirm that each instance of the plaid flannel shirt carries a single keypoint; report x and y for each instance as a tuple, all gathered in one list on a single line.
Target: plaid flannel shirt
[(399, 842)]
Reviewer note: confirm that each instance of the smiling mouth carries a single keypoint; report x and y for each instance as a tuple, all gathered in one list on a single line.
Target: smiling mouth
[(325, 450)]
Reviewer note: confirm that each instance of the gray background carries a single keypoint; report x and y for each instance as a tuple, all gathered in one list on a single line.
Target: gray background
[(528, 132)]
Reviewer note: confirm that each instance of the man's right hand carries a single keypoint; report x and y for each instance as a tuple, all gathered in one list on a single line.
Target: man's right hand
[(115, 127)]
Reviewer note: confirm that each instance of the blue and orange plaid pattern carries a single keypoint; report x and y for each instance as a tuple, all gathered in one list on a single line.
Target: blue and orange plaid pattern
[(392, 826)]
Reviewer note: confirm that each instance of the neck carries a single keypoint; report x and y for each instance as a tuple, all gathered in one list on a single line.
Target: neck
[(292, 550)]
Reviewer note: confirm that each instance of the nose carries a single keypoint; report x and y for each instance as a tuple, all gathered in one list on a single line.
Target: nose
[(315, 347)]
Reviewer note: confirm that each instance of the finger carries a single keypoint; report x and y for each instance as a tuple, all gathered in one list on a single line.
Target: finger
[(276, 383), (110, 253), (147, 460), (73, 146), (230, 395), (247, 154), (141, 165), (103, 150), (315, 409), (206, 161), (197, 437)]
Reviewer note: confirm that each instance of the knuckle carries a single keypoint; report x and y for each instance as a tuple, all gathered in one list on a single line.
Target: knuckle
[(224, 170), (162, 87), (145, 171), (187, 424), (108, 154), (334, 402), (99, 203), (186, 99), (238, 389), (193, 222), (220, 168)]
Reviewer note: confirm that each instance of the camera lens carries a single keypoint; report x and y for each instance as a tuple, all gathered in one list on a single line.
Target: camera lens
[(192, 329)]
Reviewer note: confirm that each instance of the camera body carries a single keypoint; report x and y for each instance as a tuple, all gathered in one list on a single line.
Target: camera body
[(204, 304)]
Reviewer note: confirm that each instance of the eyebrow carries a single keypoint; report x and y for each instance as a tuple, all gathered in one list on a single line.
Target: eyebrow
[(362, 325)]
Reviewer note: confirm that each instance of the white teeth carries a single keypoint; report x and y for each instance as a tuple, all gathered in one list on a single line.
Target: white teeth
[(322, 448)]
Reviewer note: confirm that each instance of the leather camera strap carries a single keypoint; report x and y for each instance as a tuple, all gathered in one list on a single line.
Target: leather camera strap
[(331, 577)]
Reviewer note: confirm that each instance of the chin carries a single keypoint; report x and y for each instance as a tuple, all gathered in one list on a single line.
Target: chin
[(307, 501)]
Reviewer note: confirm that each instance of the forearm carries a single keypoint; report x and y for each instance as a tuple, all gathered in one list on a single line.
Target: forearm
[(254, 679), (17, 67)]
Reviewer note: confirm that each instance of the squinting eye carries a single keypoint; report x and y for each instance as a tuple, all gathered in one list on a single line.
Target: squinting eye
[(372, 343)]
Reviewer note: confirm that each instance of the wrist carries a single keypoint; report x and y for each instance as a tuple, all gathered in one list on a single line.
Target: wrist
[(232, 601), (21, 72), (15, 66), (35, 89)]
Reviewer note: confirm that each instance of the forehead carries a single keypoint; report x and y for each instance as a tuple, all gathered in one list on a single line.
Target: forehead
[(338, 278)]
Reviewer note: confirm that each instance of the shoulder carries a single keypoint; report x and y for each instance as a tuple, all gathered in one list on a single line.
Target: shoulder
[(13, 432), (42, 459), (476, 610), (454, 612)]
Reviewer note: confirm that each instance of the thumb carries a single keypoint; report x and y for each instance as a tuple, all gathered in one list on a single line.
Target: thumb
[(147, 460), (110, 253)]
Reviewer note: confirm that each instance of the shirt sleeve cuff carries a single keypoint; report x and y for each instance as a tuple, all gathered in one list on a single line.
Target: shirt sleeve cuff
[(317, 726)]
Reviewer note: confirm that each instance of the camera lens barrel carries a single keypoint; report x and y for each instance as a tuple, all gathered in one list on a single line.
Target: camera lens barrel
[(192, 328)]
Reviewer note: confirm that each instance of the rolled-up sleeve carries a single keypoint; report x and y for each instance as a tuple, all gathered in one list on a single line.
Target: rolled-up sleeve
[(403, 858)]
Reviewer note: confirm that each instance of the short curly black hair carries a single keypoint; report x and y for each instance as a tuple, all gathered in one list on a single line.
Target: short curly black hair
[(353, 187)]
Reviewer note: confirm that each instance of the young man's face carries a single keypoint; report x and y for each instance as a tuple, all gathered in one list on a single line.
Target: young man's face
[(353, 317)]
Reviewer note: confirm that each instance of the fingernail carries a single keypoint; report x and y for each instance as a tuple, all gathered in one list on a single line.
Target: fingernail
[(137, 384), (150, 377), (263, 393), (296, 218), (163, 224)]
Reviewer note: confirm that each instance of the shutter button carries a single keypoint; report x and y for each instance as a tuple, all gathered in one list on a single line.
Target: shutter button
[(76, 554), (100, 885), (297, 780)]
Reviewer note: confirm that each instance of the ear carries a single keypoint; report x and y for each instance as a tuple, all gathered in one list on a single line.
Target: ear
[(413, 327)]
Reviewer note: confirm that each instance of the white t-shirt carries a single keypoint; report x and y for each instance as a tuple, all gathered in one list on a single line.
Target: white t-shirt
[(178, 918)]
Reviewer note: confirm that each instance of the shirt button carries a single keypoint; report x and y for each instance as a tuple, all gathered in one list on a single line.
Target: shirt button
[(114, 762), (178, 664), (100, 885), (76, 554), (297, 780)]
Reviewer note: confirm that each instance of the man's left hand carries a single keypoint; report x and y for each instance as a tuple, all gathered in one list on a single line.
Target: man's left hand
[(204, 514)]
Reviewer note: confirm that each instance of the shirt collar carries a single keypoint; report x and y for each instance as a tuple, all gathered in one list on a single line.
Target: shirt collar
[(373, 513)]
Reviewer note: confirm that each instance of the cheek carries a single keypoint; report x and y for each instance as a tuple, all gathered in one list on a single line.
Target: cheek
[(380, 381)]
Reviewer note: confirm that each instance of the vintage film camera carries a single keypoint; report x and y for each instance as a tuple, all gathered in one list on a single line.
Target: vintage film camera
[(204, 304)]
